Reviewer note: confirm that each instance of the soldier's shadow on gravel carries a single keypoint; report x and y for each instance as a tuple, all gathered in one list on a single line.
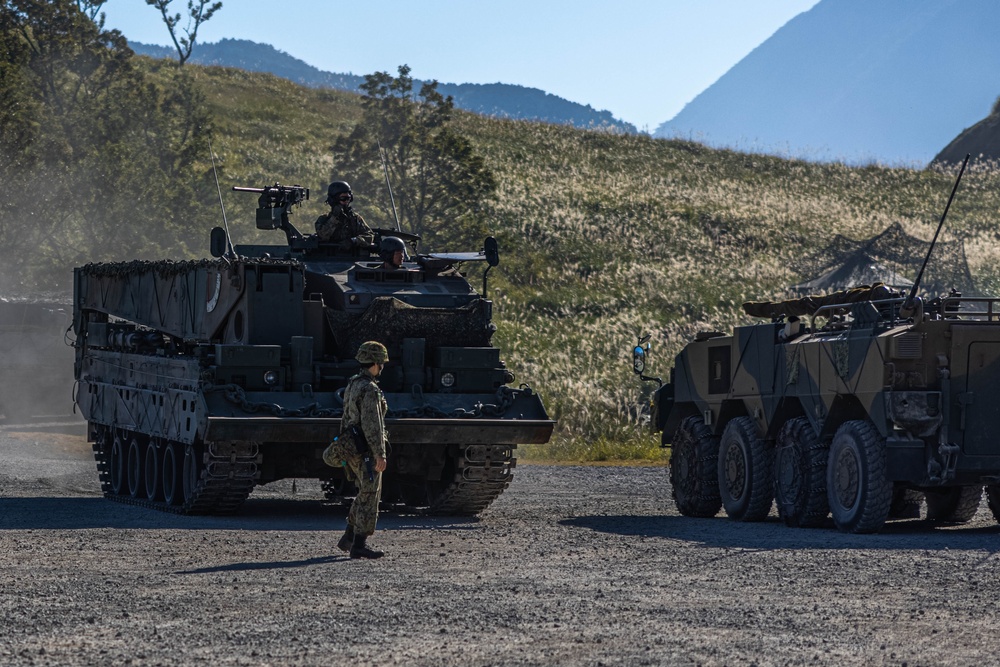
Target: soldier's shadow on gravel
[(772, 534), (45, 513)]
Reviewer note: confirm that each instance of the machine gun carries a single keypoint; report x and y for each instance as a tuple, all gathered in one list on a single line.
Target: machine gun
[(274, 205), (362, 446)]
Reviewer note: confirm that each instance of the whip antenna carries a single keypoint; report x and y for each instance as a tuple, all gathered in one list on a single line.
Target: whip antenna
[(229, 240), (916, 283), (385, 170)]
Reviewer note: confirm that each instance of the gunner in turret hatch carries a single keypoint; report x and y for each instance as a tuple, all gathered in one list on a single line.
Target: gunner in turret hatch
[(392, 250), (342, 225)]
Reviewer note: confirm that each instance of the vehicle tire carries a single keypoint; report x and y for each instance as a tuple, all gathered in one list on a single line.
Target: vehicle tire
[(857, 489), (956, 504), (171, 474), (694, 455), (746, 471), (800, 475), (153, 482), (116, 463), (136, 468)]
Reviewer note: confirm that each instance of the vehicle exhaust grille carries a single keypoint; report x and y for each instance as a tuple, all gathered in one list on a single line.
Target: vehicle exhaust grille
[(908, 346)]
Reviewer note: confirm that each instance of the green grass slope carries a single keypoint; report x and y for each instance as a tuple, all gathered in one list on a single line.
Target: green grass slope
[(604, 237)]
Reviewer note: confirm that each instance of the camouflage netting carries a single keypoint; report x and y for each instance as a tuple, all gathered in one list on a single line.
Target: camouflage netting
[(390, 320), (892, 257)]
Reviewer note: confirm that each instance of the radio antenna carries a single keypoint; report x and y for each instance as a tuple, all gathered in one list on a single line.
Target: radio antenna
[(385, 170), (910, 303), (230, 250)]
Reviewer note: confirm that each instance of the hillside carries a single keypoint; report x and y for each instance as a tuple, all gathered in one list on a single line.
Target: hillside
[(495, 99), (604, 237), (891, 82), (981, 140)]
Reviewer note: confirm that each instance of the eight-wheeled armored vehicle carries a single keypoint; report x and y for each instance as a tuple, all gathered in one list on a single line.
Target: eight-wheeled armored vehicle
[(844, 412), (853, 404), (202, 379)]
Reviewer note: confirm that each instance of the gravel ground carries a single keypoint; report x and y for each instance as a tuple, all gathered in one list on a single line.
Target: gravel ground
[(571, 566)]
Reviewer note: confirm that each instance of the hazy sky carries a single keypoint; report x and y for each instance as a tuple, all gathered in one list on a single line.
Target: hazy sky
[(642, 60)]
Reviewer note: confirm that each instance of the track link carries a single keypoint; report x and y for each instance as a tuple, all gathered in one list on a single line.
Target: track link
[(482, 473), (227, 475)]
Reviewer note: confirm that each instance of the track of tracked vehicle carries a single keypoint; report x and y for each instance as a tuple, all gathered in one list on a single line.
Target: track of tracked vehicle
[(226, 477), (481, 474)]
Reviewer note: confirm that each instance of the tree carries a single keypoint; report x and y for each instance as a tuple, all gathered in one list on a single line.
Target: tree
[(91, 9), (98, 155), (439, 181), (199, 11)]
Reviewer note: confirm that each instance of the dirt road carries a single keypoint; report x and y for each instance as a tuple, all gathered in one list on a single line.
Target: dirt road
[(571, 566)]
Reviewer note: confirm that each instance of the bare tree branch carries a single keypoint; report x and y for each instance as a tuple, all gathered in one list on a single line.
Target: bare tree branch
[(199, 11)]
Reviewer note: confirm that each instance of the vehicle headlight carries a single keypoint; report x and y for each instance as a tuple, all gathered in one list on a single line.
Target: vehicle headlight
[(447, 379), (270, 378)]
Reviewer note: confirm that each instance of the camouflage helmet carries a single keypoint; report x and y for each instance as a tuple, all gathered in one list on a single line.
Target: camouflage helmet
[(372, 352), (389, 246), (337, 188)]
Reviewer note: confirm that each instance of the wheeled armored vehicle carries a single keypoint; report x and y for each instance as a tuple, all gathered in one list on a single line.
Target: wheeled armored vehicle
[(853, 405), (202, 379), (849, 411)]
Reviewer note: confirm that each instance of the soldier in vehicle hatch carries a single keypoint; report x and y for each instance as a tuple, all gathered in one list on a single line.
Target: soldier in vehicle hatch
[(361, 448), (342, 225), (392, 252)]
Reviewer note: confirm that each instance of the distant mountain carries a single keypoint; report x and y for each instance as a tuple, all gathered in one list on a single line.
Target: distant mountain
[(494, 99), (890, 81)]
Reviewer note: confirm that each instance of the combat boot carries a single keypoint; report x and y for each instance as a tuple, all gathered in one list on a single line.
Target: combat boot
[(347, 540), (360, 549)]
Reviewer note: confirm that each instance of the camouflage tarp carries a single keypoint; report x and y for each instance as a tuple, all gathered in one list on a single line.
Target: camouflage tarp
[(808, 305)]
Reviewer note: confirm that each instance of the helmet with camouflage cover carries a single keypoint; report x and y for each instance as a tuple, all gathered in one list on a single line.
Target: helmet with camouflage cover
[(336, 189), (372, 352)]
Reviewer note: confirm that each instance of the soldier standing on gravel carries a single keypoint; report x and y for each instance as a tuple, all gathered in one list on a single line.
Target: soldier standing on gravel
[(342, 225), (364, 407)]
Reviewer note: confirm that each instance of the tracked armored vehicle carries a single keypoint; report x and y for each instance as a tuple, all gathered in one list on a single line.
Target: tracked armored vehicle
[(203, 379), (852, 405)]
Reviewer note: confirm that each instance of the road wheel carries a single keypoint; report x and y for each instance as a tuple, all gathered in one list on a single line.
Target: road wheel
[(800, 475), (746, 471), (171, 473), (153, 481), (694, 455), (116, 462), (136, 468), (857, 489), (957, 504)]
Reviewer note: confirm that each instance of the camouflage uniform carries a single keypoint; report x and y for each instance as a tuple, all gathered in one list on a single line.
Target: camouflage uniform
[(365, 406), (341, 225)]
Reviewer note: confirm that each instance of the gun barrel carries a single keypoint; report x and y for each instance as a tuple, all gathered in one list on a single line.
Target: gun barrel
[(239, 189)]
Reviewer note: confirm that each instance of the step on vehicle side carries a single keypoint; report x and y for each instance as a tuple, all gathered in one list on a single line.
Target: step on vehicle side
[(202, 379)]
